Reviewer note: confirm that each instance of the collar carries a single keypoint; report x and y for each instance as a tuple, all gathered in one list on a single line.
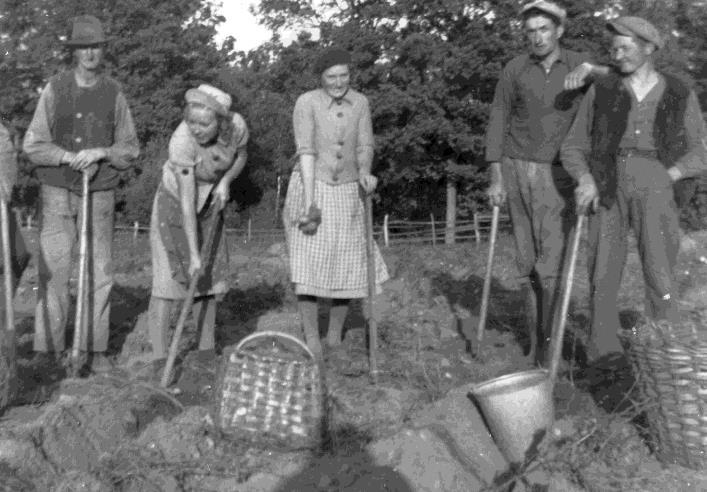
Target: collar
[(346, 98), (563, 57)]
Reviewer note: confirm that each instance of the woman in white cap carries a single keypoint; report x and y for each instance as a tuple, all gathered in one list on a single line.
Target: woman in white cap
[(206, 152), (324, 218)]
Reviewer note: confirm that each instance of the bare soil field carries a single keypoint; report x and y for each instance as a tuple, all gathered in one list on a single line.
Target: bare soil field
[(416, 430)]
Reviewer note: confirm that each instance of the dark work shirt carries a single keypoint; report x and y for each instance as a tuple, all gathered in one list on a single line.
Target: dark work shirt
[(531, 112)]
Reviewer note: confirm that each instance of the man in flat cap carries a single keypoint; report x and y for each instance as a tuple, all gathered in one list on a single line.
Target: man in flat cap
[(536, 99), (636, 133), (82, 124)]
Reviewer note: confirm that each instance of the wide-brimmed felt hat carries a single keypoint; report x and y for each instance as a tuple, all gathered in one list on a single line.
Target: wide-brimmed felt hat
[(549, 8), (636, 27), (211, 97), (86, 31)]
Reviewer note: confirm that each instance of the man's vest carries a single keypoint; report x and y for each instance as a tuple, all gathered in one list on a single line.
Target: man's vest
[(612, 103), (84, 118)]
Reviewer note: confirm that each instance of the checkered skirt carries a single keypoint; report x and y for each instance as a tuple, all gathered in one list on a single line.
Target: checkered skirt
[(332, 262)]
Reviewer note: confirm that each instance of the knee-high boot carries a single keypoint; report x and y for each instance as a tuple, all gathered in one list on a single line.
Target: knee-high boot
[(530, 297), (547, 309)]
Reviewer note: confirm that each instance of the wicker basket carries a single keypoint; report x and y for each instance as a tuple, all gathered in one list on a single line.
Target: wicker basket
[(269, 395), (671, 369)]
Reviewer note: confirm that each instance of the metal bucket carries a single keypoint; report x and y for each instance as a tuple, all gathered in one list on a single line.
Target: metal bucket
[(518, 409)]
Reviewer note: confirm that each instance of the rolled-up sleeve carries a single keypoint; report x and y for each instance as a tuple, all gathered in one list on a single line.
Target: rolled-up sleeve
[(125, 148), (694, 162), (365, 140), (498, 117), (240, 131), (38, 144), (8, 157), (303, 125), (577, 143)]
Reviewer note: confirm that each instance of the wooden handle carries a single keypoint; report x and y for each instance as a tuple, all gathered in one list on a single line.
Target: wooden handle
[(559, 334), (81, 288), (371, 270), (189, 300), (487, 283), (7, 336)]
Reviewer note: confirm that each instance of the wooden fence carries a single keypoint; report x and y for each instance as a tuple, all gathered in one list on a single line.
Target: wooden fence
[(388, 233)]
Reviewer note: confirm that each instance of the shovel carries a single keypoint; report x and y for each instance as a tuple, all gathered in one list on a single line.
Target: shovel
[(7, 336), (189, 300), (559, 334), (82, 280), (371, 266), (487, 284)]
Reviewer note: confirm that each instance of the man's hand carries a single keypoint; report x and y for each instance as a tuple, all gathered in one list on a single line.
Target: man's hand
[(675, 173), (368, 182), (496, 190), (84, 158), (586, 195), (222, 193), (577, 78)]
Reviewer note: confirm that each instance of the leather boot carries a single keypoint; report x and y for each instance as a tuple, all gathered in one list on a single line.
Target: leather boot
[(547, 304), (530, 297)]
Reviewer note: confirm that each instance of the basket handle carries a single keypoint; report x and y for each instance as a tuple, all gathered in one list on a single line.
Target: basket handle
[(275, 334)]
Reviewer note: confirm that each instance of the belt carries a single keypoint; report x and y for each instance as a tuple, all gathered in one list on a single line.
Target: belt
[(649, 154)]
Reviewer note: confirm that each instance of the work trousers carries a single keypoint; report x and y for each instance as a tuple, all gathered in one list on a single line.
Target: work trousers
[(644, 203), (541, 207), (60, 216)]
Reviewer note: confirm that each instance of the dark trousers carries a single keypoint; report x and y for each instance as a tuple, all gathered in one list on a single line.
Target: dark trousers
[(541, 207), (644, 203)]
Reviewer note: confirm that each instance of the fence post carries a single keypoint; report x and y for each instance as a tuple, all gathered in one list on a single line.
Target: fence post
[(249, 229), (434, 230), (136, 228), (386, 238), (29, 222), (477, 233)]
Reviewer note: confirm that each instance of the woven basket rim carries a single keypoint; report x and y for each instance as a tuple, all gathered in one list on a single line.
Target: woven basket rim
[(274, 334)]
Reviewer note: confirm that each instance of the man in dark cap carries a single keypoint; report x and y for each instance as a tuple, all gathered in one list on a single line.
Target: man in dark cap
[(636, 133), (82, 124), (536, 99)]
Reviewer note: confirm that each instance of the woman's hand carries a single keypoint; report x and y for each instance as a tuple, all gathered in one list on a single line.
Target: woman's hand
[(194, 266), (222, 193), (368, 182)]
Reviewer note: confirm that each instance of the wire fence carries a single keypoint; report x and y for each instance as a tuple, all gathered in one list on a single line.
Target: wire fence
[(388, 233)]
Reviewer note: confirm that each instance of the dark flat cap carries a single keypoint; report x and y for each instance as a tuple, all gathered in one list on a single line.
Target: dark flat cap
[(638, 27), (549, 8)]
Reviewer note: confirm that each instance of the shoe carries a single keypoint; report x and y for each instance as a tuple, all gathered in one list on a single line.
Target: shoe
[(100, 363)]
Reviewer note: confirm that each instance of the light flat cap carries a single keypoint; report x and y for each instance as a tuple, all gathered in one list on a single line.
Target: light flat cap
[(638, 27), (549, 8)]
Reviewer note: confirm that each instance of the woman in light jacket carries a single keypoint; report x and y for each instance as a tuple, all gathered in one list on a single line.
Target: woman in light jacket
[(207, 152), (324, 213)]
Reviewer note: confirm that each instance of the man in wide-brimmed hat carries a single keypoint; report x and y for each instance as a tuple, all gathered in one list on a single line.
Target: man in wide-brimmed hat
[(536, 98), (82, 124), (636, 133)]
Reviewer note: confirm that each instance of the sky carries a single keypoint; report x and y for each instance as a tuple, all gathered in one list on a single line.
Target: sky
[(241, 25)]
